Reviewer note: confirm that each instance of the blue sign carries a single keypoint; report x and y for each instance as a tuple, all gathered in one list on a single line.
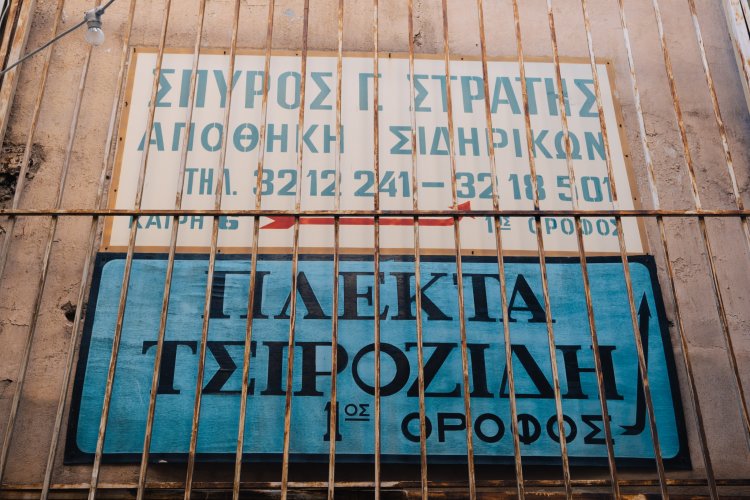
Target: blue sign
[(446, 421)]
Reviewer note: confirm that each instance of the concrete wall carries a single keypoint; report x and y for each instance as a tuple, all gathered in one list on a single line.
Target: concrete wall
[(727, 439)]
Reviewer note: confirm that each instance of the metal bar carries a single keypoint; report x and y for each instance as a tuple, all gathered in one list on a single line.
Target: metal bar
[(295, 260), (170, 261), (428, 213), (333, 408), (643, 368), (21, 182), (75, 333), (10, 10), (417, 262), (459, 273), (542, 262), (212, 254), (10, 19), (377, 214), (701, 220), (34, 52), (9, 238), (695, 403), (717, 113), (582, 253), (21, 32), (390, 485), (128, 263), (738, 200), (236, 485), (500, 260), (45, 264), (376, 246)]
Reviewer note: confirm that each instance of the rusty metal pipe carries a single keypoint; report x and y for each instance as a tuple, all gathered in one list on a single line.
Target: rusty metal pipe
[(458, 256), (111, 370), (424, 490), (212, 257)]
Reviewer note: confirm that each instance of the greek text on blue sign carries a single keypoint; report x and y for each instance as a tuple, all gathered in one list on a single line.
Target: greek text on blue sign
[(446, 425)]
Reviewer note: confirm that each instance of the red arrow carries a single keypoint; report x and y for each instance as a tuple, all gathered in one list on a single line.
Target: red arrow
[(285, 221)]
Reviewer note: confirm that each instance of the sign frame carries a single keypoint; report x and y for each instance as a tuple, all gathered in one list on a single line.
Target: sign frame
[(127, 96), (681, 460)]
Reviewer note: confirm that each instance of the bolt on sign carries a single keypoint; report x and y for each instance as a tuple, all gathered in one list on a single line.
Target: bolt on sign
[(446, 419)]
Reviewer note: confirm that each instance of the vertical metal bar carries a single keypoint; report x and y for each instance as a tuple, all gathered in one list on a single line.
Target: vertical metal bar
[(21, 181), (22, 23), (704, 232), (10, 19), (9, 237), (254, 256), (295, 260), (52, 230), (695, 403), (128, 262), (459, 271), (500, 258), (54, 221), (676, 104), (542, 261), (582, 254), (212, 254), (333, 408), (717, 112), (75, 332), (376, 246), (417, 262), (738, 200), (642, 365), (142, 474), (499, 248)]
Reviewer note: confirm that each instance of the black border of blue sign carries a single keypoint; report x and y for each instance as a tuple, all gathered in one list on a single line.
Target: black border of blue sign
[(74, 455)]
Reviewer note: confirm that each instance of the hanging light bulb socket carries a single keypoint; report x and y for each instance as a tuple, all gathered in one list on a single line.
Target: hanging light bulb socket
[(94, 33)]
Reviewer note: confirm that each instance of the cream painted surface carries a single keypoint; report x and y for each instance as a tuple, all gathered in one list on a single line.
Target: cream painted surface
[(280, 182)]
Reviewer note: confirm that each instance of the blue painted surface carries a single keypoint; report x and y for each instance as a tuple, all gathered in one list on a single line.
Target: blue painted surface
[(444, 403)]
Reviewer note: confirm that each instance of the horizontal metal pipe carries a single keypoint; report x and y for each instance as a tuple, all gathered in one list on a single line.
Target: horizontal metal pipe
[(499, 483), (116, 212)]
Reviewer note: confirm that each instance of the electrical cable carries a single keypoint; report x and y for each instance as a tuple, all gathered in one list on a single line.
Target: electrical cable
[(97, 10), (35, 51)]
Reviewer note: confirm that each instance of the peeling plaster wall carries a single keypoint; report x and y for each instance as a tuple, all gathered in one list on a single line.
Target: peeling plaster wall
[(728, 447)]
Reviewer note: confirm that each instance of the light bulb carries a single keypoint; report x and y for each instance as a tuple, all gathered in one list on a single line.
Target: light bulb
[(95, 36)]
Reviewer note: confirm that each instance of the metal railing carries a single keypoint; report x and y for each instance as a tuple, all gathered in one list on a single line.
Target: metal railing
[(55, 483)]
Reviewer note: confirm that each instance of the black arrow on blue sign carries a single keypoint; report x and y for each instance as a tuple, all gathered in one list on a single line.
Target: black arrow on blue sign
[(644, 315)]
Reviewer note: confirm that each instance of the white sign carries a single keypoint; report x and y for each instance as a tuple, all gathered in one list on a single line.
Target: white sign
[(280, 179)]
